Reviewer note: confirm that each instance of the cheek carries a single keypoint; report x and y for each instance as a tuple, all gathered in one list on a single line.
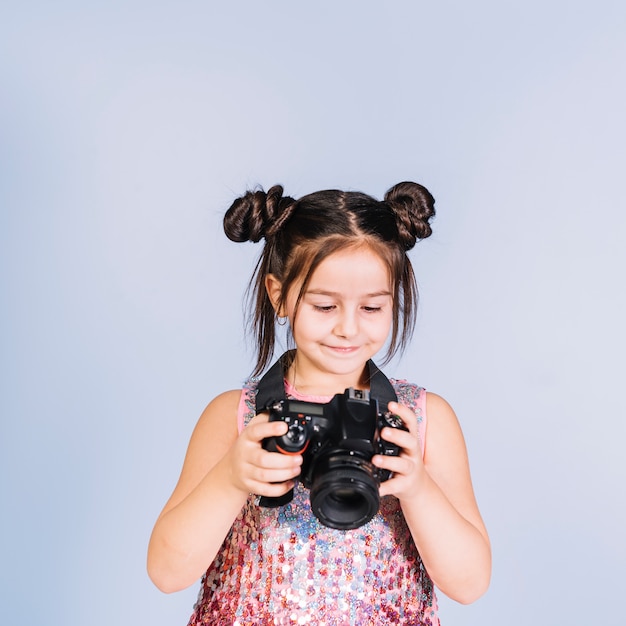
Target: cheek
[(389, 324), (382, 327)]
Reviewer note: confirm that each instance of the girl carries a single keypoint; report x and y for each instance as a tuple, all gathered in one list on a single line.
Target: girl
[(334, 267)]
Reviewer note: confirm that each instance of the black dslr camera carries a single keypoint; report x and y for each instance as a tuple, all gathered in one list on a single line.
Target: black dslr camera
[(337, 441)]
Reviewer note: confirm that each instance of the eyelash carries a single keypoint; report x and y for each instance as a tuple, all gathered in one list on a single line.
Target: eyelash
[(328, 309)]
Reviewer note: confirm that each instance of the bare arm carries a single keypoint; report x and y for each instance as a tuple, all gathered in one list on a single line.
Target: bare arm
[(221, 469), (438, 501)]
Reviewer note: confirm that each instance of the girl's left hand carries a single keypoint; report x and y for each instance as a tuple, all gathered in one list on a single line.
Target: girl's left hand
[(408, 468)]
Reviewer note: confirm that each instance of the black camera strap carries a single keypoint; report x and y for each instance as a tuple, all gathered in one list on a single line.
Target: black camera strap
[(271, 387)]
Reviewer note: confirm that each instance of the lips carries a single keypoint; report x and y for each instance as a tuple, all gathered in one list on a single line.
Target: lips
[(343, 349)]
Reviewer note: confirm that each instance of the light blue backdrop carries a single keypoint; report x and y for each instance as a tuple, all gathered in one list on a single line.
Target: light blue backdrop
[(127, 128)]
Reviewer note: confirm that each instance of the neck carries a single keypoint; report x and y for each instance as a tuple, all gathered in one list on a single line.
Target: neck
[(314, 382)]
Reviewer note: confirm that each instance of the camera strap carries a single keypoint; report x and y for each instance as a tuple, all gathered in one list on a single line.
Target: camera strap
[(271, 387)]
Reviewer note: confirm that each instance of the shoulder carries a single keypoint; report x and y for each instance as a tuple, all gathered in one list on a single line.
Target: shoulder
[(216, 429), (439, 427), (439, 406), (221, 411), (424, 402), (445, 444), (441, 414), (214, 434)]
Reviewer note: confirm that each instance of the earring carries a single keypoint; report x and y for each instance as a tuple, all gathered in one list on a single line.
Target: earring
[(281, 320)]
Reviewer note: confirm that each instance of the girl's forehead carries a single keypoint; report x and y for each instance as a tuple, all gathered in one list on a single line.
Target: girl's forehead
[(355, 268)]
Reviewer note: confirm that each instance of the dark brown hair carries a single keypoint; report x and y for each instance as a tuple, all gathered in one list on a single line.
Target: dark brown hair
[(300, 234)]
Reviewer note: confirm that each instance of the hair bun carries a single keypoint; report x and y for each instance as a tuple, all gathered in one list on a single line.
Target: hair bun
[(257, 214), (414, 207)]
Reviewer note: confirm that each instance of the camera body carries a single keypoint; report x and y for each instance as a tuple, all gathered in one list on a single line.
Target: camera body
[(337, 441)]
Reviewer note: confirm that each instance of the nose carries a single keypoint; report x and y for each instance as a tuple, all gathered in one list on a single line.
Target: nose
[(347, 324)]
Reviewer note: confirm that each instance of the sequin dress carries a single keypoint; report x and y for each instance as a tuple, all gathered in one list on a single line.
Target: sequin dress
[(281, 566)]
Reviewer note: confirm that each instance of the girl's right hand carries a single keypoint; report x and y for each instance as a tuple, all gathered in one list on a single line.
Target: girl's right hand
[(255, 470)]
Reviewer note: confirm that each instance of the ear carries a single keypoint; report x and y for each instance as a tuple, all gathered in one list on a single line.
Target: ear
[(274, 290)]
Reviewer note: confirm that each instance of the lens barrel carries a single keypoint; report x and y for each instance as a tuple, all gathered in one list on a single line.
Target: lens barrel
[(344, 490)]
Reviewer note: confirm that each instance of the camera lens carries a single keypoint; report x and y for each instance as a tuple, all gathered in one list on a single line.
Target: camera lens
[(344, 492)]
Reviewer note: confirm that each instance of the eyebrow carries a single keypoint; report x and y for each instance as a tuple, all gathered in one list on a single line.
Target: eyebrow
[(335, 294)]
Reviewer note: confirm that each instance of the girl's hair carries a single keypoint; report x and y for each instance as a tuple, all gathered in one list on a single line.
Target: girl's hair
[(300, 234)]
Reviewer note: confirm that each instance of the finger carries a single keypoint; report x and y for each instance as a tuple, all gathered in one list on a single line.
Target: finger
[(276, 475), (387, 488), (273, 490), (394, 464), (380, 461), (260, 428), (399, 437), (277, 460)]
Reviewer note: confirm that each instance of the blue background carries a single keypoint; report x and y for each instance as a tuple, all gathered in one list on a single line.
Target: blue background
[(127, 128)]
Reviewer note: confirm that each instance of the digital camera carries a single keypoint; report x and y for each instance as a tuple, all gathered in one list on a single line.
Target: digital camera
[(337, 441)]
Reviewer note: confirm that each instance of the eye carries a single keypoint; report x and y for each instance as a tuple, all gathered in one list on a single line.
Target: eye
[(324, 308), (372, 309)]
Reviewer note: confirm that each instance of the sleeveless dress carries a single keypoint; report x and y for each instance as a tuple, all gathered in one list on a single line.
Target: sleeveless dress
[(282, 566)]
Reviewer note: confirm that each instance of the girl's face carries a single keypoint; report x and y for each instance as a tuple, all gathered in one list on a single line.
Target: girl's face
[(343, 319)]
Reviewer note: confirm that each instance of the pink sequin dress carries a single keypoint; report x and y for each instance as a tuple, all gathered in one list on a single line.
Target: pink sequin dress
[(281, 566)]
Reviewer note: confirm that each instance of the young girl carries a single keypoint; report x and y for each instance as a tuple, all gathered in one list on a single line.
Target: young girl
[(334, 268)]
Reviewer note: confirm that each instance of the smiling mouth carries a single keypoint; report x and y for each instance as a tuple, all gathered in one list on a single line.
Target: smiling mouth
[(343, 349)]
